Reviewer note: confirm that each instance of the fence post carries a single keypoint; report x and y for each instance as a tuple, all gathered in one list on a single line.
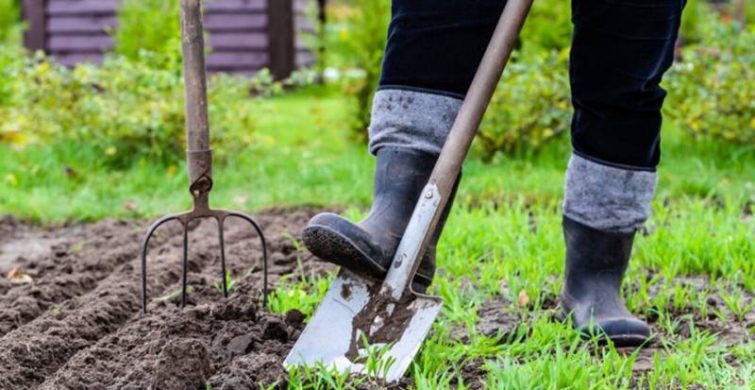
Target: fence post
[(282, 41), (35, 36)]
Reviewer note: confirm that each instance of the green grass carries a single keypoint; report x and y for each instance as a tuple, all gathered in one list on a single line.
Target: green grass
[(304, 156), (502, 239), (301, 158)]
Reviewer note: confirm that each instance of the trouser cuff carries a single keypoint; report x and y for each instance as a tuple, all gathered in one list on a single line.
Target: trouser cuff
[(411, 119), (608, 198)]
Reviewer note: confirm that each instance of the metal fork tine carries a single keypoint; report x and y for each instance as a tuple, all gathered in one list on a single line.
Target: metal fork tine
[(145, 245), (185, 264), (185, 219), (222, 257), (264, 251)]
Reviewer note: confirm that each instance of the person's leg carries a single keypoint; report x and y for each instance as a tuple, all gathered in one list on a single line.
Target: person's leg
[(434, 48), (620, 51)]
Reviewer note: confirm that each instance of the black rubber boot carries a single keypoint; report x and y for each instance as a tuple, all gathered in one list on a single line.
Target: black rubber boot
[(368, 246), (595, 265)]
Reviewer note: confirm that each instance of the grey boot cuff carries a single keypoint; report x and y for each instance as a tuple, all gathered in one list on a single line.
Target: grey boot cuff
[(411, 119), (607, 198)]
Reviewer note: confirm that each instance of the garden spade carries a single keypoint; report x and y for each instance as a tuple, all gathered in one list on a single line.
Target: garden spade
[(199, 156), (376, 327)]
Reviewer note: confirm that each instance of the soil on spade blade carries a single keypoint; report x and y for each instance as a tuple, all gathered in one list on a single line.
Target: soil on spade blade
[(71, 317)]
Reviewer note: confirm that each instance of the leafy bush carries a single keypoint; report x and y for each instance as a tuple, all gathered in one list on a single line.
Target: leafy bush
[(11, 61), (530, 106), (712, 92), (126, 110), (695, 12), (314, 40), (10, 21), (363, 38), (548, 26), (152, 26)]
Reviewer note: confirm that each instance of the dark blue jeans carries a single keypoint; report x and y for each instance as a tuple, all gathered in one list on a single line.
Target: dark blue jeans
[(620, 51)]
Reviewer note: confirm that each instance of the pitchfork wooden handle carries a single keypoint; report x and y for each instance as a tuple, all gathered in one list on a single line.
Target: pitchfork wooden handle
[(199, 155)]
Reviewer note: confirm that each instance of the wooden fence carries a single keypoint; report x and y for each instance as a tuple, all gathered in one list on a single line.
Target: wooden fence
[(244, 35)]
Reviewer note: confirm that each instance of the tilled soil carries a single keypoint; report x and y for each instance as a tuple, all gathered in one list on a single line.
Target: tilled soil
[(78, 323)]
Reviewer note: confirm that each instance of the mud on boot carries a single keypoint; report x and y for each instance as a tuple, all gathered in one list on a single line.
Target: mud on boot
[(595, 265), (368, 247)]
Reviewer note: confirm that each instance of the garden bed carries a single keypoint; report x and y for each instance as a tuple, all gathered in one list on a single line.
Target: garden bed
[(76, 322)]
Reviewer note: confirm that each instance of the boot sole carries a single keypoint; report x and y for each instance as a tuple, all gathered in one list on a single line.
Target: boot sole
[(624, 340), (618, 340), (331, 246)]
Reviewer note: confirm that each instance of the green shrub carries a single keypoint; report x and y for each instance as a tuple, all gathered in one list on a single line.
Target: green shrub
[(712, 91), (335, 34), (126, 110), (530, 106), (699, 13), (10, 21), (11, 61), (548, 26), (364, 37), (315, 39), (152, 26), (695, 12)]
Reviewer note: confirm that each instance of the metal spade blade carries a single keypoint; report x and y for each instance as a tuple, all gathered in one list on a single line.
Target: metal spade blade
[(360, 315), (334, 338)]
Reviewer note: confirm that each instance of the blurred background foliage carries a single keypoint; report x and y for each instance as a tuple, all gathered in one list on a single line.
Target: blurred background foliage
[(358, 37), (125, 109), (548, 27), (151, 26), (10, 26), (531, 105), (130, 108), (711, 91)]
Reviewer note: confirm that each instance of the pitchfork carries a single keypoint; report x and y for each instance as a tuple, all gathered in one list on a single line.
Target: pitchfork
[(199, 156)]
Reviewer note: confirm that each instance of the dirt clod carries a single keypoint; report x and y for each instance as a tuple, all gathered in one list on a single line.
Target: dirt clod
[(275, 329), (294, 317), (183, 364), (240, 345)]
